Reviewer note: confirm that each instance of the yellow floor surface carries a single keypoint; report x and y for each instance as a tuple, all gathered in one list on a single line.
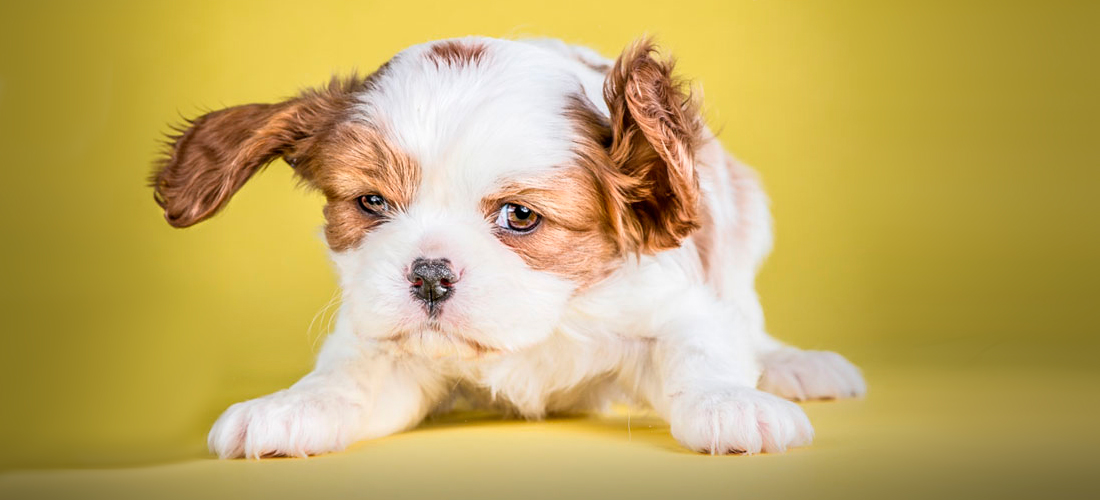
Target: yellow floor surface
[(921, 433)]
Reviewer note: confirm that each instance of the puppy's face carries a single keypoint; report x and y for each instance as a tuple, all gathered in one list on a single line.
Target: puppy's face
[(473, 188)]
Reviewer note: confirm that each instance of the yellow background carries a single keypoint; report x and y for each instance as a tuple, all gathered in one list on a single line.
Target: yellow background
[(933, 167)]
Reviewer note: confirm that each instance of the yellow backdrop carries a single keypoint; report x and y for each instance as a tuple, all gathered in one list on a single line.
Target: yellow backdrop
[(933, 168)]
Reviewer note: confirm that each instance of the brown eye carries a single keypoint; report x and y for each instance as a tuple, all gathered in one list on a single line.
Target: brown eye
[(374, 204), (517, 218)]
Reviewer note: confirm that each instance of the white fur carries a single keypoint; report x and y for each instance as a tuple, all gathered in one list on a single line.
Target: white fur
[(661, 330)]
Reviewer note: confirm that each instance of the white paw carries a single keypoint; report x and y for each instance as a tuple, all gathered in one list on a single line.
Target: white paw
[(286, 423), (801, 375), (738, 420)]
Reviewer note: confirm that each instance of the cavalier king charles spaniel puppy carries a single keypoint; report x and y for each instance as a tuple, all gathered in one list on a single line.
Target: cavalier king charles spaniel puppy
[(524, 223)]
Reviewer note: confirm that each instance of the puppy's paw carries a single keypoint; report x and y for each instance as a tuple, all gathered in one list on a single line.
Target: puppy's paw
[(286, 423), (738, 420), (801, 375)]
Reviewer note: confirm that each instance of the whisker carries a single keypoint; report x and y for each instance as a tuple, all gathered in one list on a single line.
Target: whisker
[(320, 314)]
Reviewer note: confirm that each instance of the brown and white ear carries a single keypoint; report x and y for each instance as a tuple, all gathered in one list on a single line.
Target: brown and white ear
[(213, 157), (655, 130)]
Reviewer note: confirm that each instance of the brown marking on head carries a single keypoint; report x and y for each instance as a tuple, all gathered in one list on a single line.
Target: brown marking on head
[(655, 128), (456, 53), (642, 159), (352, 160), (315, 133), (215, 154), (571, 239)]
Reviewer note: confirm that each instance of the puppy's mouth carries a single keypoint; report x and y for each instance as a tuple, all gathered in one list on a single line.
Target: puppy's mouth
[(434, 342)]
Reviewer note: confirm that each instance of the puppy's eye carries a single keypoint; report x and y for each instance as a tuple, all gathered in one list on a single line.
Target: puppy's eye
[(374, 204), (517, 218)]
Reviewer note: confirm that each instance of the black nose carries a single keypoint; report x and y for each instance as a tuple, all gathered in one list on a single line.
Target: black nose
[(432, 280)]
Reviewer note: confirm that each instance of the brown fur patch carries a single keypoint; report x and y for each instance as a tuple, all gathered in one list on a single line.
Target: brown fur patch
[(345, 159), (355, 159), (572, 239), (456, 53), (215, 154), (642, 160), (655, 129)]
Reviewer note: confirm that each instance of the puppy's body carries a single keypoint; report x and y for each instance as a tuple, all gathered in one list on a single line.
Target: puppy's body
[(635, 281)]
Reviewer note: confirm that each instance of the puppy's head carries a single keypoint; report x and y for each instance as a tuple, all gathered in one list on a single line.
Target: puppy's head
[(472, 185)]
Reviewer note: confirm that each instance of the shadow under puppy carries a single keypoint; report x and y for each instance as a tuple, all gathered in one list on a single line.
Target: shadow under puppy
[(524, 219)]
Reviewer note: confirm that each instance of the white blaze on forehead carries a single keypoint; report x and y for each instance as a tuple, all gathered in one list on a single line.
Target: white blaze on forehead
[(470, 124)]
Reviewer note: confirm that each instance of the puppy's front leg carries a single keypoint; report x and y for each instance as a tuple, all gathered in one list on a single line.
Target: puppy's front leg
[(356, 391), (706, 390)]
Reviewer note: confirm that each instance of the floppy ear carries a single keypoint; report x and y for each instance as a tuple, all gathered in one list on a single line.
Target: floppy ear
[(655, 130), (215, 154)]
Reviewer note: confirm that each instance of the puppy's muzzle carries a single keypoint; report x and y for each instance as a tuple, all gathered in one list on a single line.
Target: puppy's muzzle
[(432, 281)]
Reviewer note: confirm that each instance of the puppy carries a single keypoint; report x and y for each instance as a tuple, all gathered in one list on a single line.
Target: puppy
[(524, 222)]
